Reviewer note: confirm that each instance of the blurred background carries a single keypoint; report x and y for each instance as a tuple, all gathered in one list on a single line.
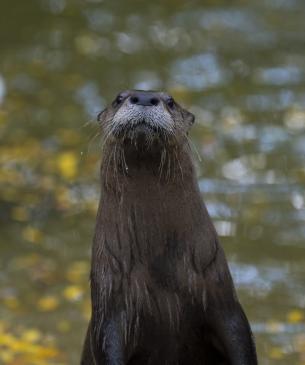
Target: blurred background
[(238, 65)]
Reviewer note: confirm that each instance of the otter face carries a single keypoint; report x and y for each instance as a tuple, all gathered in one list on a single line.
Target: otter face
[(146, 115)]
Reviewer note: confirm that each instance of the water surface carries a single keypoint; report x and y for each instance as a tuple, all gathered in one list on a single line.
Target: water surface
[(238, 66)]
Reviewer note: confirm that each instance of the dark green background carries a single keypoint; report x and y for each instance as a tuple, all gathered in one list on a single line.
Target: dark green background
[(239, 66)]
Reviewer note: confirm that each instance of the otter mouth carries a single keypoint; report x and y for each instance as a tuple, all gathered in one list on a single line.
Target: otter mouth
[(134, 129), (141, 134), (143, 124)]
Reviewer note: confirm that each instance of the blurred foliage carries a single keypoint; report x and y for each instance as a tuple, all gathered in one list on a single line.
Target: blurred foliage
[(238, 66)]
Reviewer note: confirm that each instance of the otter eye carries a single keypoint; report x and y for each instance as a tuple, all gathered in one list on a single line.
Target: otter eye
[(170, 102), (118, 100)]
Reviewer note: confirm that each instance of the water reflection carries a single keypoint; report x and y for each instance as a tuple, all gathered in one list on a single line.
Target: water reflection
[(280, 75), (2, 89), (198, 72)]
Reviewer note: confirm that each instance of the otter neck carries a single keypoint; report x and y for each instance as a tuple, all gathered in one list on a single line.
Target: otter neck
[(128, 165), (142, 214)]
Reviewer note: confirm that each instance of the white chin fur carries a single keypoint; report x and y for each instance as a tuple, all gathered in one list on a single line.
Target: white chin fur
[(156, 116)]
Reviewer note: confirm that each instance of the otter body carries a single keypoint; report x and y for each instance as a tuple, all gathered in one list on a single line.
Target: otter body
[(161, 289)]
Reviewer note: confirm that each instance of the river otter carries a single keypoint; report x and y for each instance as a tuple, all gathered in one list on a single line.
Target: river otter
[(161, 288)]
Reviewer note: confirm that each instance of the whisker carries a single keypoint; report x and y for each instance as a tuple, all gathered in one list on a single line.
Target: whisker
[(179, 164), (162, 161), (193, 147), (90, 122), (92, 139)]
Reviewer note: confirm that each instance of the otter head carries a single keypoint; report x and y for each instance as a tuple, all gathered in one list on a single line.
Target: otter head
[(146, 119)]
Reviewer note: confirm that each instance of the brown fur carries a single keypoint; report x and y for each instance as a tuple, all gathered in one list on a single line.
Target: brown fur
[(161, 289)]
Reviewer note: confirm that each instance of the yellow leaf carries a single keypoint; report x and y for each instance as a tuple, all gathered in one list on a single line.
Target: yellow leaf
[(6, 356), (20, 346), (32, 234), (47, 303), (7, 339), (276, 353), (295, 316), (20, 214), (67, 165), (87, 309), (45, 352), (31, 335), (77, 271), (274, 327), (73, 292)]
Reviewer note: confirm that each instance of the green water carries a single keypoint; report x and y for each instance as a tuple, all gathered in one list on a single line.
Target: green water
[(239, 66)]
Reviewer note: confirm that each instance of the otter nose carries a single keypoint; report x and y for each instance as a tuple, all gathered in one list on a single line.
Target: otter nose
[(144, 98)]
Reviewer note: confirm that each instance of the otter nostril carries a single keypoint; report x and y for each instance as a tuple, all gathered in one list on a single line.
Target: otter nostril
[(154, 101), (134, 100), (144, 98)]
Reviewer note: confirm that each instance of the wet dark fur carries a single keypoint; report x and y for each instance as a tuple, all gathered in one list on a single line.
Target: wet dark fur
[(161, 288)]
